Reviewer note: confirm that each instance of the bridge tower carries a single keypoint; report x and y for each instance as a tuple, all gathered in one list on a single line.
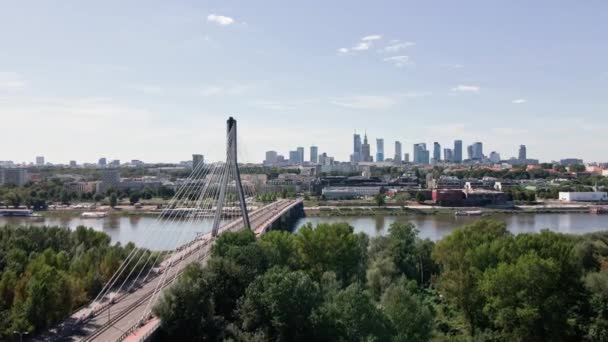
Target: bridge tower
[(231, 161)]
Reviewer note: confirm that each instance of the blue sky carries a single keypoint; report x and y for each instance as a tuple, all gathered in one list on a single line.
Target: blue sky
[(155, 80)]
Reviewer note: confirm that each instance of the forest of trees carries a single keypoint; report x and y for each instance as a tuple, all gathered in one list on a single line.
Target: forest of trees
[(327, 283), (48, 272)]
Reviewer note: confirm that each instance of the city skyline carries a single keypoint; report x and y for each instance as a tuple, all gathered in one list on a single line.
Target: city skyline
[(408, 71)]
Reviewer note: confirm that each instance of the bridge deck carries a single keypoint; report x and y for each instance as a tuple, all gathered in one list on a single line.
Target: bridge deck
[(113, 322)]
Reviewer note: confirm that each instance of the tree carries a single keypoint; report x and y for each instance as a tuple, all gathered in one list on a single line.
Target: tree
[(411, 256), (280, 249), (420, 197), (113, 200), (380, 199), (134, 197), (411, 317), (13, 198), (278, 305), (402, 198)]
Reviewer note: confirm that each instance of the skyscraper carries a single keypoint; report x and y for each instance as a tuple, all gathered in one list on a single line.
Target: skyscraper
[(40, 161), (102, 162), (314, 154), (406, 157), (300, 155), (197, 159), (294, 157), (470, 152), (457, 151), (448, 155), (271, 158), (522, 152), (397, 151), (380, 150), (357, 155), (477, 150), (365, 151), (436, 151), (494, 157), (421, 154)]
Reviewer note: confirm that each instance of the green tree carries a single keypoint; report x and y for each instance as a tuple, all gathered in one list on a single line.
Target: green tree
[(113, 200), (134, 197), (380, 199), (13, 198), (420, 197), (280, 249)]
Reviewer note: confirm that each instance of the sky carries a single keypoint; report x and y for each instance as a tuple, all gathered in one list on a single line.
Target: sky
[(156, 80)]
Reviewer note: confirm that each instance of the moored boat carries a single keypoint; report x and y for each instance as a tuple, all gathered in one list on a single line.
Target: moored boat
[(93, 214), (468, 213)]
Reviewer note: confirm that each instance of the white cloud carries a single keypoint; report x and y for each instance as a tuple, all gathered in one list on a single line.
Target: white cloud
[(371, 37), (519, 101), (220, 19), (11, 81), (396, 45), (466, 88), (361, 46), (365, 102), (398, 61), (343, 50)]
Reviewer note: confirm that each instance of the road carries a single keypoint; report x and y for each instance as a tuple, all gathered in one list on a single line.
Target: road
[(115, 321)]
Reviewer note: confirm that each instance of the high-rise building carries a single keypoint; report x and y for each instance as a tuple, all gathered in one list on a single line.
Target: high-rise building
[(397, 151), (40, 161), (457, 151), (421, 154), (13, 176), (406, 157), (314, 154), (102, 162), (523, 155), (365, 150), (380, 150), (73, 163), (477, 151), (448, 155), (197, 159), (300, 155), (110, 179), (470, 152), (436, 151), (494, 157), (357, 153), (271, 158)]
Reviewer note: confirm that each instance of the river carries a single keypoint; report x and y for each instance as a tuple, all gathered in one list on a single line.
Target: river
[(146, 231)]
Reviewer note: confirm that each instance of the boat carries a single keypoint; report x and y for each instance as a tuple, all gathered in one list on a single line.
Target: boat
[(18, 213), (468, 213), (93, 214)]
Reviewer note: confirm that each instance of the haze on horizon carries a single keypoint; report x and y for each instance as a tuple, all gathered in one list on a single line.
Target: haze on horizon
[(156, 80)]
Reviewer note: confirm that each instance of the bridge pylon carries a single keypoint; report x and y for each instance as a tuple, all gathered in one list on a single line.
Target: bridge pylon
[(231, 161)]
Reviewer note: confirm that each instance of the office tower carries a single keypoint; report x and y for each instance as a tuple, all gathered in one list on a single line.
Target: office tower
[(448, 155), (13, 176), (197, 159), (494, 157), (406, 157), (271, 158), (357, 156), (115, 163), (300, 155), (397, 151), (436, 151), (102, 162), (314, 154), (73, 163), (457, 151), (477, 150), (294, 157), (522, 152), (110, 179), (365, 151), (40, 161), (421, 154), (470, 152), (380, 150)]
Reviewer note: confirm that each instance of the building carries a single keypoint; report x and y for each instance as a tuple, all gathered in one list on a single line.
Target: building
[(349, 192), (40, 161), (197, 159), (294, 157), (406, 157), (595, 196), (398, 152), (73, 163), (271, 158), (477, 151), (473, 198), (357, 153), (314, 154), (380, 150), (522, 153), (115, 163), (457, 151), (365, 151), (110, 179), (13, 176), (436, 151), (494, 157), (421, 154), (448, 155), (300, 155), (102, 162), (571, 161)]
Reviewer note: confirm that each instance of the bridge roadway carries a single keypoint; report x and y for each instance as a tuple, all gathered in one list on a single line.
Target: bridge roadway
[(115, 322)]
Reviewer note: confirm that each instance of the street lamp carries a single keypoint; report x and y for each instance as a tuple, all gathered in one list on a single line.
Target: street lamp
[(20, 333)]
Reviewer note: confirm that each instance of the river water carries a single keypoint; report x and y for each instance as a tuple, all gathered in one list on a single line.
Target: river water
[(146, 231)]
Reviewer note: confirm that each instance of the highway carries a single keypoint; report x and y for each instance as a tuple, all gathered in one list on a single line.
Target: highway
[(114, 322)]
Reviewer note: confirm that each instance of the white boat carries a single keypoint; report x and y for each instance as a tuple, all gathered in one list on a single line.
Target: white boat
[(469, 213), (93, 214)]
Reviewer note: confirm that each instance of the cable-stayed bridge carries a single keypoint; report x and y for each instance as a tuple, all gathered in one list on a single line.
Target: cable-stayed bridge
[(123, 308)]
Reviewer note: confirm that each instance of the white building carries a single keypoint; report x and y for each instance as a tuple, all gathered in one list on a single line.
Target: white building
[(583, 196)]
